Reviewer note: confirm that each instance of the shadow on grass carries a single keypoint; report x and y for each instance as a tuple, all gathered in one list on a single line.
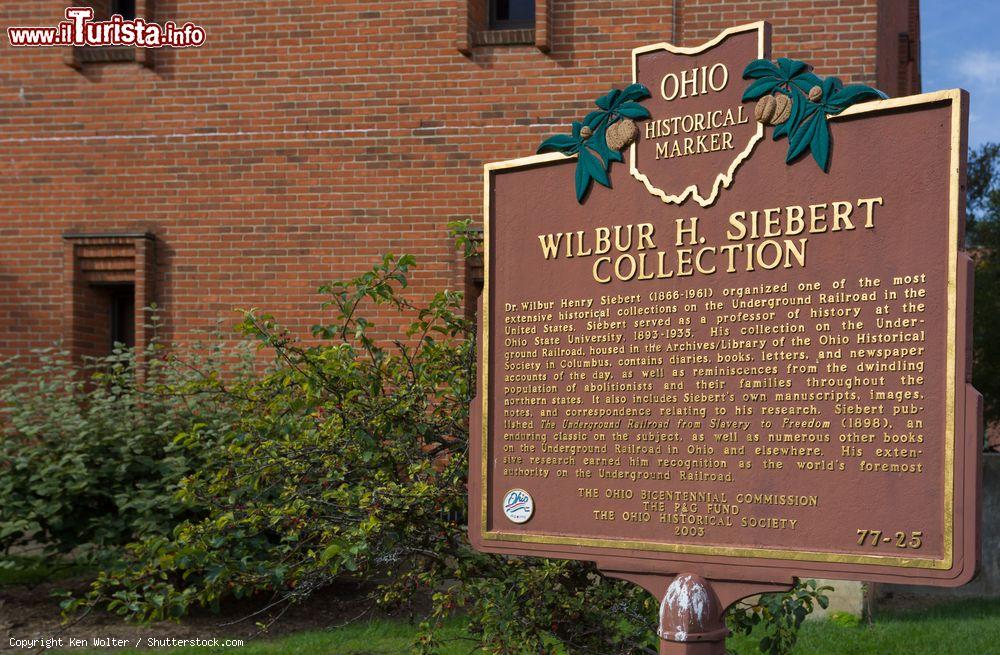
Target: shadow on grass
[(31, 571), (970, 608)]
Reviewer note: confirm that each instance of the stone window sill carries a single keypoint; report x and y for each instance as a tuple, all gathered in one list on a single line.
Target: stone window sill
[(471, 17), (503, 37), (78, 56)]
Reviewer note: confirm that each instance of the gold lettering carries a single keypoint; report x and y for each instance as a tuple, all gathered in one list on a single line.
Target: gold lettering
[(869, 205), (550, 244), (842, 212), (816, 219), (597, 270)]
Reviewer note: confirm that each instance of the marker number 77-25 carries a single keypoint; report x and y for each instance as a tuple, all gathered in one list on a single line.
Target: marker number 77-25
[(877, 538)]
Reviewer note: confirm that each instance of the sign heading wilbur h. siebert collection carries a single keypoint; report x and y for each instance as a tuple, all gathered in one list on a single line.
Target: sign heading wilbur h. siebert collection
[(725, 327)]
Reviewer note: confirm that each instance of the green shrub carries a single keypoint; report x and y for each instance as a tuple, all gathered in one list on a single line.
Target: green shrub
[(92, 459), (344, 457), (779, 616), (983, 235), (348, 457)]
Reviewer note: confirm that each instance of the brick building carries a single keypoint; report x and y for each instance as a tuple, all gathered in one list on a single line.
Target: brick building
[(307, 137)]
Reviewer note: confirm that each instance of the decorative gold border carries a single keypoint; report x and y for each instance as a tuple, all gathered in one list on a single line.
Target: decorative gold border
[(954, 97), (722, 180)]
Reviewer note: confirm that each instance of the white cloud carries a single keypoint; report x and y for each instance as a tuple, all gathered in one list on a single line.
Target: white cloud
[(980, 66)]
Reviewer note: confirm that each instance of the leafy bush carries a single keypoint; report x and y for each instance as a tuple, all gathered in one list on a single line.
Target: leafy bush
[(983, 190), (348, 457), (91, 460), (779, 616)]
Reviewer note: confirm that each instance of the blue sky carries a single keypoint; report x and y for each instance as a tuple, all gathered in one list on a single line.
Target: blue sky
[(960, 47)]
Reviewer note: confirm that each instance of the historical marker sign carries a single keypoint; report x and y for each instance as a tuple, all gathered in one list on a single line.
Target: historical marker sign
[(731, 354), (700, 129)]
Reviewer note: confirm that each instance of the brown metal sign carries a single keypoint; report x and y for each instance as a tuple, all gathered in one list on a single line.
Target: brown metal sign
[(746, 362)]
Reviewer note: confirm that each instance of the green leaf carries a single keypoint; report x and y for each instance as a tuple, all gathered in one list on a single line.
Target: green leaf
[(633, 110), (850, 95), (789, 74), (759, 68), (607, 101), (831, 86), (635, 91), (760, 88), (791, 67), (594, 118), (563, 143), (330, 552), (599, 144), (582, 179), (780, 130), (595, 167), (801, 136), (820, 143), (805, 82)]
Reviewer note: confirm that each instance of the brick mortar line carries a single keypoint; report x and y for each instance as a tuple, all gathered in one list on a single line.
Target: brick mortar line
[(293, 133)]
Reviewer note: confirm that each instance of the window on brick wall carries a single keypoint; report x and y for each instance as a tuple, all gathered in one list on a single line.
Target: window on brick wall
[(109, 284), (124, 8), (121, 315), (79, 56), (486, 23), (512, 14)]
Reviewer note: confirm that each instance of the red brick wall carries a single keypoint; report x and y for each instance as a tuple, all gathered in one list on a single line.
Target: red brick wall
[(307, 137)]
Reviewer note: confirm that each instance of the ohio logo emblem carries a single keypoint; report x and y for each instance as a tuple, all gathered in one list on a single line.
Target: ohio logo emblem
[(518, 505)]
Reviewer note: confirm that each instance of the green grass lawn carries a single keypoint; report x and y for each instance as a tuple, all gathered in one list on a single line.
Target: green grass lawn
[(370, 638), (961, 628)]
